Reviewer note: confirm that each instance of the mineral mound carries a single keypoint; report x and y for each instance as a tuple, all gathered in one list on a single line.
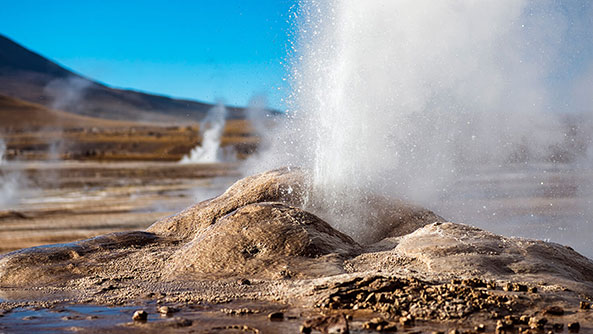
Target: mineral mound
[(260, 232)]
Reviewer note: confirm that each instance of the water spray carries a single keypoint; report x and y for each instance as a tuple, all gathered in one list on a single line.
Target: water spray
[(402, 98)]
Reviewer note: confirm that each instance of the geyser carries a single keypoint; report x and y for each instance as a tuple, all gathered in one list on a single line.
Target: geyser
[(401, 98), (211, 131), (2, 151), (9, 182)]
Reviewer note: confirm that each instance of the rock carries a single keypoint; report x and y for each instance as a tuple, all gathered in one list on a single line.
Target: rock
[(537, 322), (554, 310), (406, 321), (44, 265), (574, 326), (244, 281), (140, 315), (583, 305), (500, 326), (166, 310), (411, 298), (262, 240), (239, 311), (178, 323), (382, 325), (468, 251), (305, 329), (276, 316), (327, 324)]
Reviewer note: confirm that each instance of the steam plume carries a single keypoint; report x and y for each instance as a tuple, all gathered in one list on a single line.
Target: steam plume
[(401, 98), (211, 132), (9, 182)]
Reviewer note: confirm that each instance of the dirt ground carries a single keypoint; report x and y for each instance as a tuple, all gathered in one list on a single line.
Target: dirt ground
[(67, 201)]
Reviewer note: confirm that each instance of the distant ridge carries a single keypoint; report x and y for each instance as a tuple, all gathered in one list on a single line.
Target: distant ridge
[(29, 76), (18, 115)]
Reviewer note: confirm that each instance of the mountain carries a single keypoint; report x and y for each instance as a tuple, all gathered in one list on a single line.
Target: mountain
[(29, 76), (18, 115)]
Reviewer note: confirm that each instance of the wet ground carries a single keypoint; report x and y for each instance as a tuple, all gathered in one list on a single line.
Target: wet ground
[(65, 201), (248, 317), (102, 319)]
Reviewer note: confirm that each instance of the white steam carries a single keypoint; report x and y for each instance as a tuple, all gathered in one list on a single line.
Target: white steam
[(211, 131), (258, 116), (2, 151), (67, 93), (10, 182), (401, 98)]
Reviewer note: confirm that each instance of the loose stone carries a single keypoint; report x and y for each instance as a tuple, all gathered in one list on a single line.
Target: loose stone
[(574, 327), (276, 316), (554, 310), (140, 315)]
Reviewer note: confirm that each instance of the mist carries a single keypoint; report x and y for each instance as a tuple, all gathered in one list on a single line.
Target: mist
[(272, 132), (68, 92), (402, 99)]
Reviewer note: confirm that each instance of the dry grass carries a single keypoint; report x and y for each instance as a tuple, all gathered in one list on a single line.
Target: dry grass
[(20, 115), (32, 131)]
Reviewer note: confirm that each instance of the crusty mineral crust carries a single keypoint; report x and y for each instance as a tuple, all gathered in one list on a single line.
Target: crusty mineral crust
[(281, 185), (258, 229)]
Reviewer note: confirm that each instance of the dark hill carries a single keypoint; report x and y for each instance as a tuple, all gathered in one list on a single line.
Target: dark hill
[(18, 115), (31, 77)]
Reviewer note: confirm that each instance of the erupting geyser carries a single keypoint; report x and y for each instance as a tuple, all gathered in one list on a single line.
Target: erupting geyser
[(211, 132), (401, 98)]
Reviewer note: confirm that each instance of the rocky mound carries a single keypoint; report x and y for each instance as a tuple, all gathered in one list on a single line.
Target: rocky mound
[(57, 264), (391, 217), (281, 185), (472, 251), (266, 240), (257, 229), (450, 250)]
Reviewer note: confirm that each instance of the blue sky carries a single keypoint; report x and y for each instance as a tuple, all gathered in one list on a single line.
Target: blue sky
[(204, 50)]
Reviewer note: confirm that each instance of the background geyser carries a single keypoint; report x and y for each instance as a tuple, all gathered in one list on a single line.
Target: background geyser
[(211, 132), (404, 98)]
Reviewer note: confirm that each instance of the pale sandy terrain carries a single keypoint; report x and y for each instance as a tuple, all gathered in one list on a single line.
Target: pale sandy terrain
[(68, 201)]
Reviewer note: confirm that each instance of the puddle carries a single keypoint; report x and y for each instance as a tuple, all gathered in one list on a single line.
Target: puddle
[(63, 318), (103, 319)]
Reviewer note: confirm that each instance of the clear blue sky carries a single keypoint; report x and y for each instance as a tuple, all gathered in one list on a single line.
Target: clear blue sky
[(204, 50)]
